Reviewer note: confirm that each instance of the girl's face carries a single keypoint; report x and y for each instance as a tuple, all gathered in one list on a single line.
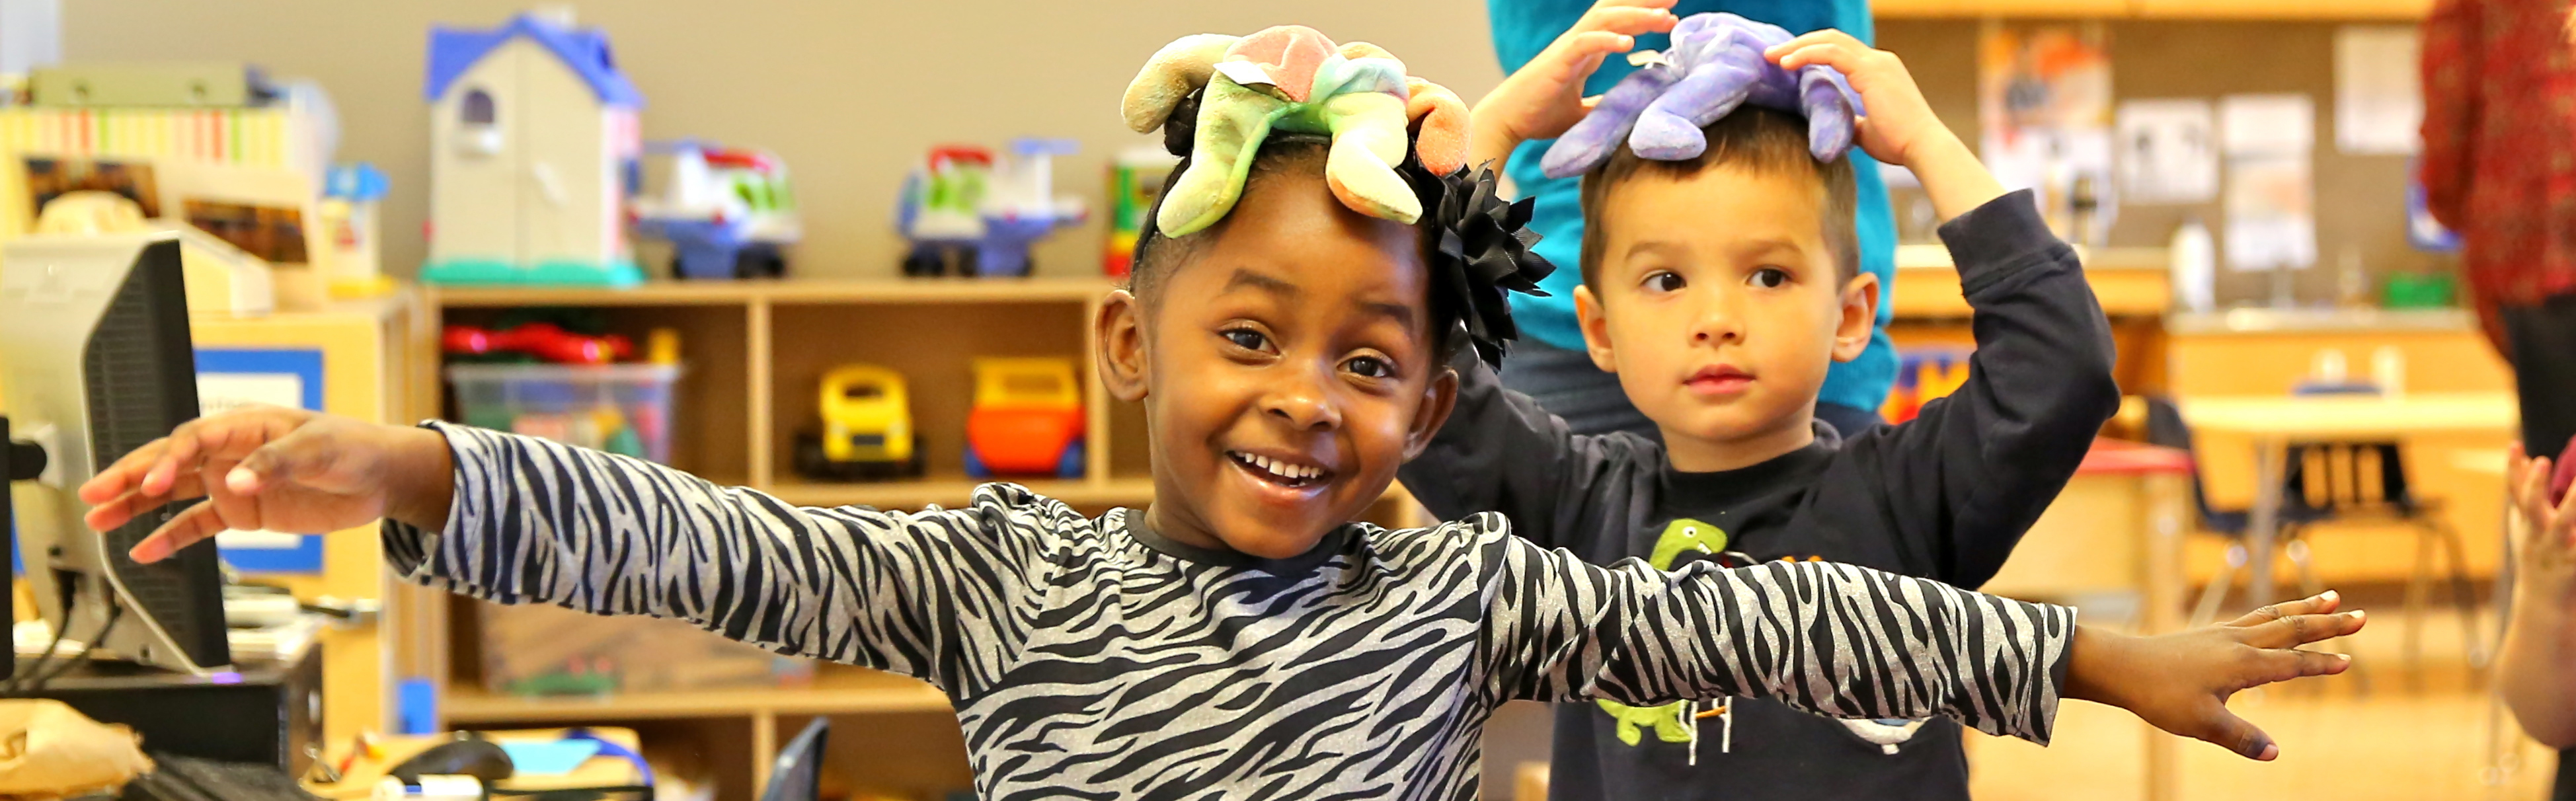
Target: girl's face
[(1286, 369)]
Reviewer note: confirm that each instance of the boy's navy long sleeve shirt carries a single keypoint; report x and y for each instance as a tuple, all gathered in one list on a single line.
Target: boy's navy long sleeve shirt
[(1944, 496)]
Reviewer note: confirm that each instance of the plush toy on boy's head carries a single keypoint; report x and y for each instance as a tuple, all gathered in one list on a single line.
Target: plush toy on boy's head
[(1294, 79), (1714, 65)]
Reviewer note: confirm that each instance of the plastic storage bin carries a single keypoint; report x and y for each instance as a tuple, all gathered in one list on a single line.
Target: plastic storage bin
[(619, 408), (541, 649)]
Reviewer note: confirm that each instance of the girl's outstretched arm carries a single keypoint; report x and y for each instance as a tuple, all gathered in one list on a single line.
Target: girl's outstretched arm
[(1851, 642), (517, 519)]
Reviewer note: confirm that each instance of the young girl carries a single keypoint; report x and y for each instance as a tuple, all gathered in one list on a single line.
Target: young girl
[(1238, 638)]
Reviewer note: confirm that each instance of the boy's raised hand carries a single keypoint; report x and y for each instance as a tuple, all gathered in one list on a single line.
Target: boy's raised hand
[(1545, 96), (274, 469), (2181, 682), (1899, 127)]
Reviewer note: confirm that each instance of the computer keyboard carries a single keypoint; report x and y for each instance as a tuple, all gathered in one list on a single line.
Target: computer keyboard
[(180, 778)]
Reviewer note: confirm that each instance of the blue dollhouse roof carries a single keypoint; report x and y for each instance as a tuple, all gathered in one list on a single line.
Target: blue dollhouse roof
[(584, 50)]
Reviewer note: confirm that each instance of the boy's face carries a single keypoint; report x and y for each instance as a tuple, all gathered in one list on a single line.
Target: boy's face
[(1286, 371), (1718, 304)]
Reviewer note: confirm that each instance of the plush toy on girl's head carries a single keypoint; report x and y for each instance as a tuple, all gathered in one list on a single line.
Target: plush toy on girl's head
[(1294, 79), (1714, 65)]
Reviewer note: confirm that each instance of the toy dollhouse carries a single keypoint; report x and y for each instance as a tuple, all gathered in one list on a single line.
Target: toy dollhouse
[(532, 134)]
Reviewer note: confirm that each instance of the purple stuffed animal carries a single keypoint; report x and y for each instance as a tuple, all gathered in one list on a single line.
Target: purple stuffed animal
[(1714, 65)]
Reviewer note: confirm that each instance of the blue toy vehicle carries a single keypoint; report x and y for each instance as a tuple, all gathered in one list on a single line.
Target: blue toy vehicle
[(966, 216), (726, 212)]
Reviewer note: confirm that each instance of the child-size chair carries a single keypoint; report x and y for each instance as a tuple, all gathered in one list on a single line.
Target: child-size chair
[(2325, 483)]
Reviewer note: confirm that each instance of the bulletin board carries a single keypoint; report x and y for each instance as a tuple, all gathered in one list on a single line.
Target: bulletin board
[(232, 377)]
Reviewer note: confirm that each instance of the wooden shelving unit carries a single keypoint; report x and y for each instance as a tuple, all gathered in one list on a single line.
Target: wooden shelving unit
[(753, 354)]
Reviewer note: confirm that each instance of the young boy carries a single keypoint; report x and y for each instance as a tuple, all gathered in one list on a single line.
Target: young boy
[(1719, 288)]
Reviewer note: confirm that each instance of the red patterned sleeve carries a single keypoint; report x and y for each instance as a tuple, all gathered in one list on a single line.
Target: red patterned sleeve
[(2450, 106)]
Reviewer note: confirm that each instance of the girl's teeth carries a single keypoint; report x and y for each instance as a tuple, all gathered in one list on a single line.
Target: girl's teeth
[(1282, 469)]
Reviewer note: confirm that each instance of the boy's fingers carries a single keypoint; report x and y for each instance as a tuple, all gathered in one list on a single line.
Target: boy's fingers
[(2320, 603), (197, 523), (1623, 19), (1827, 36), (2297, 630), (1837, 56), (1580, 53)]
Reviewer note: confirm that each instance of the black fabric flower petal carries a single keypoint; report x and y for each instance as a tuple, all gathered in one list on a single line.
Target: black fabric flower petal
[(1485, 251)]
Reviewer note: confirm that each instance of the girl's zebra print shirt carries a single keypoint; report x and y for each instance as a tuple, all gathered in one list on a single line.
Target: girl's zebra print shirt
[(1089, 657)]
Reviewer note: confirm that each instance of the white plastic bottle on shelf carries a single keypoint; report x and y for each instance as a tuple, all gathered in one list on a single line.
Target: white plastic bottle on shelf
[(2388, 370), (2194, 260)]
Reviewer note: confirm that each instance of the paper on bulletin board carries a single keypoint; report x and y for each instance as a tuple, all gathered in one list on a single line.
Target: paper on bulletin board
[(2044, 104), (2271, 212), (2267, 124), (2168, 151), (2379, 97), (231, 378)]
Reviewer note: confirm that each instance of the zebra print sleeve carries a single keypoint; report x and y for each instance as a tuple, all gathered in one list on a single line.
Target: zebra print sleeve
[(1833, 639), (929, 595)]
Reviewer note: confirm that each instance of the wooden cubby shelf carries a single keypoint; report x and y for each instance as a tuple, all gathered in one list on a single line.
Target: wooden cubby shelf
[(837, 690)]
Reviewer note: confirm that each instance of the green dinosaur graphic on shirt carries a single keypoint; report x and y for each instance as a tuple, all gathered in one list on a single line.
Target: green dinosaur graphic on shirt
[(1679, 537), (1666, 720), (1686, 536)]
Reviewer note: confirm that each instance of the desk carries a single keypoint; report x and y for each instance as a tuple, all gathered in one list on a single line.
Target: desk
[(2273, 422), (598, 771), (2118, 526)]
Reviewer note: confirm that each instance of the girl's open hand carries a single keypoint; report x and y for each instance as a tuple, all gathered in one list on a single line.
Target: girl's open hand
[(1545, 96), (273, 469), (2181, 682), (2545, 558)]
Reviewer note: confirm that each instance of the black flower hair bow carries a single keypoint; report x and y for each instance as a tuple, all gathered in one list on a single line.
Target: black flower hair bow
[(1485, 249)]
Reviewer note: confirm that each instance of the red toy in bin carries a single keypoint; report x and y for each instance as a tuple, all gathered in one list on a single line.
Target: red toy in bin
[(545, 341)]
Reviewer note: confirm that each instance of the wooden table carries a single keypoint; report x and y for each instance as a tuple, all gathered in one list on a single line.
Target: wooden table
[(2273, 422), (2118, 526)]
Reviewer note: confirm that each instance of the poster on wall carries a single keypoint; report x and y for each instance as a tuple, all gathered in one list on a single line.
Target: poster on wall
[(231, 378), (2044, 108), (2168, 151), (2379, 96), (2270, 199)]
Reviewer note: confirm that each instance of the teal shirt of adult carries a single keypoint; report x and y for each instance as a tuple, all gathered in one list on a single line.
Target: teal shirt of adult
[(1522, 28)]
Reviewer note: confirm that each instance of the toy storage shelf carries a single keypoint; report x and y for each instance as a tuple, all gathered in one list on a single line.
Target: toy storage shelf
[(837, 690), (753, 354)]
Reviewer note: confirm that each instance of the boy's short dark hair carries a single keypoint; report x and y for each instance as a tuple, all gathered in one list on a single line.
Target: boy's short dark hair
[(1751, 138)]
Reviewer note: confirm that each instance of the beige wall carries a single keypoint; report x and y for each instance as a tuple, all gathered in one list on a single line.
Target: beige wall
[(850, 93)]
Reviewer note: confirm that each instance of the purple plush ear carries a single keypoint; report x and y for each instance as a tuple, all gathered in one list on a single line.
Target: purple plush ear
[(1670, 128), (1831, 108), (1591, 141)]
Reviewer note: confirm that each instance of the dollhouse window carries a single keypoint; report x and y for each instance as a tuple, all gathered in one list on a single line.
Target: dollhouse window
[(477, 108), (476, 133)]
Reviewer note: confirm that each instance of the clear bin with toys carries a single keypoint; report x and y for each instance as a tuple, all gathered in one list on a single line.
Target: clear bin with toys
[(542, 649), (619, 408)]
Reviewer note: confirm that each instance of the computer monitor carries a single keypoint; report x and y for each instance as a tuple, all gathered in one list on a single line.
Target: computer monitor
[(95, 361)]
